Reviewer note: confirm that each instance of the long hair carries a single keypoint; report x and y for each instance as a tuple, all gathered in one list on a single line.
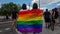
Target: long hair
[(35, 6), (24, 7)]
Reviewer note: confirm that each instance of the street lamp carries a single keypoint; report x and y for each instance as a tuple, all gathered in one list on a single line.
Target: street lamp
[(29, 5), (39, 4)]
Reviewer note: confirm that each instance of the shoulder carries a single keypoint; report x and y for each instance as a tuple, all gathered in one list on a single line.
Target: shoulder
[(36, 10), (23, 10)]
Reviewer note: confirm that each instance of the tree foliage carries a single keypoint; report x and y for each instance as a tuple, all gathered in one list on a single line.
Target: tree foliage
[(8, 8)]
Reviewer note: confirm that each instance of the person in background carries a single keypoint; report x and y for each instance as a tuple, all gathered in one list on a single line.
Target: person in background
[(53, 19), (7, 16), (14, 16), (47, 17), (52, 22), (59, 15), (56, 16)]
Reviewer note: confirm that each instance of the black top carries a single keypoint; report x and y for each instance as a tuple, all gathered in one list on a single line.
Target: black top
[(46, 14), (14, 15), (7, 17), (56, 14)]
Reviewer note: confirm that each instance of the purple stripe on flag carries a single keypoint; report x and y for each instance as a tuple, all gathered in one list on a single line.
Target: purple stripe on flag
[(30, 29)]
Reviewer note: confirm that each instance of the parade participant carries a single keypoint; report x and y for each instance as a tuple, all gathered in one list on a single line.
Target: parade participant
[(21, 26), (47, 17), (29, 20), (56, 16), (14, 16), (37, 14)]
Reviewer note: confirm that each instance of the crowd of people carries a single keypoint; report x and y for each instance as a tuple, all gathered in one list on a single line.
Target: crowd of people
[(50, 17)]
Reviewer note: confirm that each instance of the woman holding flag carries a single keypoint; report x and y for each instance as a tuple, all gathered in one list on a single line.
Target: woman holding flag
[(20, 22), (37, 13)]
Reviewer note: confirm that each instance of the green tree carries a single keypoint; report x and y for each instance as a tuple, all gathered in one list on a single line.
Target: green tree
[(9, 7)]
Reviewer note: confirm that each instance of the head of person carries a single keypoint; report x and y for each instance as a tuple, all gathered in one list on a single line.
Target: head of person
[(46, 10), (35, 6), (55, 9), (24, 7)]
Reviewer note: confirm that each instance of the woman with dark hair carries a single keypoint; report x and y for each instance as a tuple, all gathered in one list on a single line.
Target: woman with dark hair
[(35, 6), (24, 7), (20, 25), (37, 14)]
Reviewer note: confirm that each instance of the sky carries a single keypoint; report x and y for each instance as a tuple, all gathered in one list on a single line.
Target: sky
[(44, 4)]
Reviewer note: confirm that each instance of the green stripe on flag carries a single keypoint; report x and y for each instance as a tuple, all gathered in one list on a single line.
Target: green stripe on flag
[(30, 22)]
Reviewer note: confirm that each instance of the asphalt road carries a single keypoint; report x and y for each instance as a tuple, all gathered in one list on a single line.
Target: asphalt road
[(6, 26)]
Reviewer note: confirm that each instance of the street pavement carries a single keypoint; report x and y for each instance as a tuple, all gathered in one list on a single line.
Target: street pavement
[(5, 28)]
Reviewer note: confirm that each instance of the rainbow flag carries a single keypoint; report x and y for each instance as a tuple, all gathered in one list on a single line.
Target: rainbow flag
[(29, 20)]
